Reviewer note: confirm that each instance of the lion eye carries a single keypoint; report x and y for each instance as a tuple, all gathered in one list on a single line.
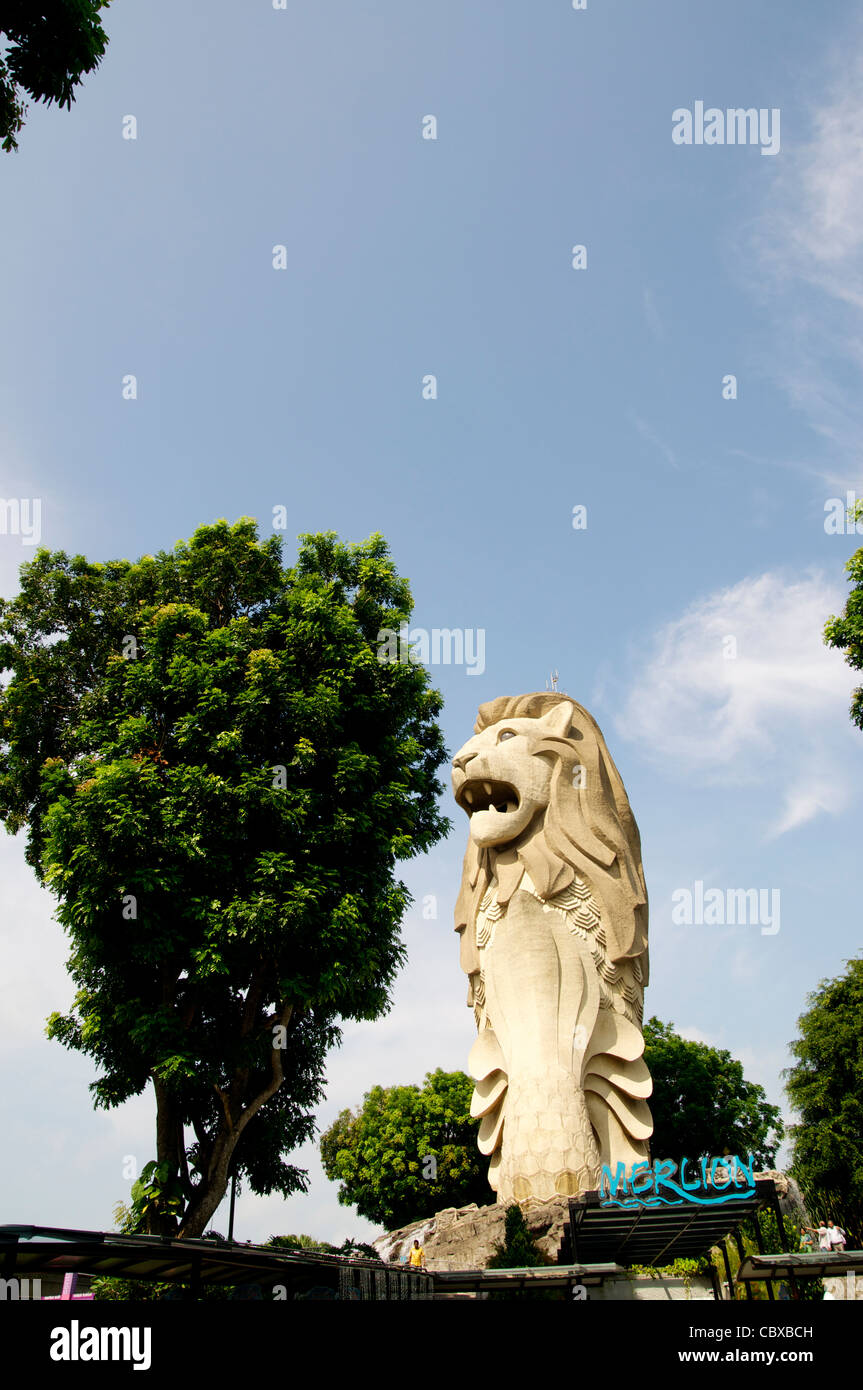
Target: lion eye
[(505, 733)]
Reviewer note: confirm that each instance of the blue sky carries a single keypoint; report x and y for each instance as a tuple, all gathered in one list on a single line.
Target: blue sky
[(600, 387)]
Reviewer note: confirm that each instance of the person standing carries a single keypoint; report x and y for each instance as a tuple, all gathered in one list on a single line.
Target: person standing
[(823, 1234), (837, 1236), (417, 1256)]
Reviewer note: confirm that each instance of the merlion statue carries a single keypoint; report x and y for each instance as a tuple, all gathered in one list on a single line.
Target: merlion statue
[(553, 920)]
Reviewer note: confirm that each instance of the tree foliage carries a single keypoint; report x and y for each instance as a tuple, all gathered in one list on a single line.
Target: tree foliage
[(519, 1250), (846, 632), (825, 1088), (381, 1152), (701, 1103), (46, 49), (217, 777), (349, 1247)]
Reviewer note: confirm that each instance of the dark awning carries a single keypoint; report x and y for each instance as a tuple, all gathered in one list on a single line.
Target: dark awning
[(819, 1265), (32, 1250), (657, 1235)]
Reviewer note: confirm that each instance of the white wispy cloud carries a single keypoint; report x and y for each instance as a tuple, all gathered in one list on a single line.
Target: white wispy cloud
[(652, 315), (736, 718), (646, 432), (806, 261), (696, 1035)]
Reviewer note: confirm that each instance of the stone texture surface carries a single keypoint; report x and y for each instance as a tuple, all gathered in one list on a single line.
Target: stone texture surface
[(465, 1237), (791, 1201)]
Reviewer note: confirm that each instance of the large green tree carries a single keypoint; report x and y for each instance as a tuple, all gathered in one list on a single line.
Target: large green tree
[(702, 1104), (217, 776), (408, 1151), (825, 1088), (45, 49)]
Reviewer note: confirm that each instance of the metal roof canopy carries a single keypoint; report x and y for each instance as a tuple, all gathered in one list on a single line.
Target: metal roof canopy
[(545, 1276), (658, 1235), (818, 1265), (40, 1249)]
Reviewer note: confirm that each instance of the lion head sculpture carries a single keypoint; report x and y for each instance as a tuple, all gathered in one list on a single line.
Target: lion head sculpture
[(552, 915)]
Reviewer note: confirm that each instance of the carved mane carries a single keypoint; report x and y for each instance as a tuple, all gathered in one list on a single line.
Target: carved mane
[(588, 830)]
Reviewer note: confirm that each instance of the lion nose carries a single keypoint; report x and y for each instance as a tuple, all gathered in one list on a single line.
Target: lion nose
[(462, 761)]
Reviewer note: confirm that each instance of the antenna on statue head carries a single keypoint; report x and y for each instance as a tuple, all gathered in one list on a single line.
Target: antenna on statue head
[(554, 678)]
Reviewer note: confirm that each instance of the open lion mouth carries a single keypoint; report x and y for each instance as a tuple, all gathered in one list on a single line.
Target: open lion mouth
[(484, 795)]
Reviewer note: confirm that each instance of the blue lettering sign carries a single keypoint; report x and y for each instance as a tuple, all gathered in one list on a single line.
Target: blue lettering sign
[(609, 1182), (646, 1187)]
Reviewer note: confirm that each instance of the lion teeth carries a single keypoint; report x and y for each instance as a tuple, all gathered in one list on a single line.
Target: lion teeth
[(487, 788), (468, 796)]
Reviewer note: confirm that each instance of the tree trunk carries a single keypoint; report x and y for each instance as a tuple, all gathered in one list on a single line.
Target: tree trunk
[(235, 1117), (168, 1130), (199, 1214)]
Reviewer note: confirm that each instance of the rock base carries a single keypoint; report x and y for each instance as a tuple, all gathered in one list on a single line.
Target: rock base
[(466, 1237)]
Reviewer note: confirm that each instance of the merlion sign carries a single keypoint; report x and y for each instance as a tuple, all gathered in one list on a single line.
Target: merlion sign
[(705, 1182)]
